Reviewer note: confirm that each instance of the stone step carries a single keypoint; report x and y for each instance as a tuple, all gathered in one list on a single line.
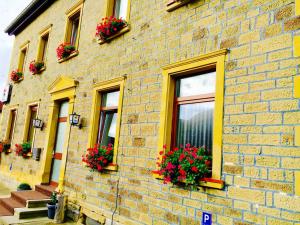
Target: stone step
[(11, 204), (13, 220), (45, 189), (4, 211), (37, 203), (24, 196), (25, 213)]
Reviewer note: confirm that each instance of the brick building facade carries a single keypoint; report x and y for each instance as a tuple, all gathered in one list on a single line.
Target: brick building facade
[(252, 45)]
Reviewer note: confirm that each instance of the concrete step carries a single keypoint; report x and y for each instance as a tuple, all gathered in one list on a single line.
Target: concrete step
[(13, 220), (11, 204), (45, 189), (24, 196), (37, 203), (4, 211), (25, 213)]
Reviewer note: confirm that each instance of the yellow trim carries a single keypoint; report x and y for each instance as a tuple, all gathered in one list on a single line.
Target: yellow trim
[(27, 120), (110, 8), (297, 45), (212, 60), (78, 7), (124, 30), (297, 87), (297, 183), (8, 126), (63, 88), (297, 136), (177, 4), (22, 56), (42, 33), (297, 5), (95, 114)]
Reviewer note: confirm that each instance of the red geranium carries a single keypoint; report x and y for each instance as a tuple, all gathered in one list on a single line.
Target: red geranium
[(185, 164), (16, 75), (109, 26), (99, 157), (23, 149), (35, 67), (64, 50)]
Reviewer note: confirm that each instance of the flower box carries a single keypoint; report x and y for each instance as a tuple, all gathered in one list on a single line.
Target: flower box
[(65, 51), (172, 5), (23, 150), (16, 76), (110, 28), (5, 147), (36, 67)]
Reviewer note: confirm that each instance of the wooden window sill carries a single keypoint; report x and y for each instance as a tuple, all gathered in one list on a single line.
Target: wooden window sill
[(18, 81), (40, 71), (177, 4), (206, 182), (124, 30), (112, 167), (73, 54)]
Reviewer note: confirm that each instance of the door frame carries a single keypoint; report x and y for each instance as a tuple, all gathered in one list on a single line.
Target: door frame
[(63, 88)]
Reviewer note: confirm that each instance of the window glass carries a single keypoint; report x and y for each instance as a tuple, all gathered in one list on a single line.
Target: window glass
[(120, 8), (22, 59), (74, 28), (110, 99), (45, 39), (12, 125), (33, 113), (197, 85)]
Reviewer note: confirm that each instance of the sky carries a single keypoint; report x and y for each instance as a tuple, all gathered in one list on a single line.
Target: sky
[(9, 10)]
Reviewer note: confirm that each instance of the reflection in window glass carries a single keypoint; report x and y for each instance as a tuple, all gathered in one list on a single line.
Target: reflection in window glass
[(120, 8), (110, 99)]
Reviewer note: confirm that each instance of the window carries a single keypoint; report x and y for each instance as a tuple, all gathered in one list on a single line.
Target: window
[(106, 115), (118, 8), (193, 93), (73, 24), (108, 118), (29, 129), (22, 57), (193, 110), (11, 125), (174, 4), (43, 44)]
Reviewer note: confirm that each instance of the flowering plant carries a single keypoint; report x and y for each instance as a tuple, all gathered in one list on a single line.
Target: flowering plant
[(64, 50), (35, 67), (5, 147), (16, 75), (23, 149), (109, 26), (184, 164), (98, 157)]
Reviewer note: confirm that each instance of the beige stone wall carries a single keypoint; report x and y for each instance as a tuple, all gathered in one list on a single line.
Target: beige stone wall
[(260, 112)]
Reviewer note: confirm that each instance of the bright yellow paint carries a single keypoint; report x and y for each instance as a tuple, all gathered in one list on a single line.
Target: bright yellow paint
[(78, 7), (212, 60), (297, 183), (8, 127), (27, 120), (297, 87), (95, 114), (297, 5), (177, 4), (22, 55), (41, 45), (297, 136), (297, 45), (63, 88)]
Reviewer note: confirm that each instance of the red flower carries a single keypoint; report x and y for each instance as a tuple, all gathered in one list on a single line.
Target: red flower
[(109, 26), (194, 169)]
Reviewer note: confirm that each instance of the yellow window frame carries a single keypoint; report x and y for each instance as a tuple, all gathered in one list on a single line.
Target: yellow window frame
[(27, 119), (41, 44), (201, 63), (297, 5), (98, 89), (9, 125), (78, 7), (110, 4), (22, 56)]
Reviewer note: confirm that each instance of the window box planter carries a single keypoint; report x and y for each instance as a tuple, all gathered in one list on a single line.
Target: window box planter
[(65, 52), (36, 67), (5, 147), (16, 76), (23, 150), (174, 4), (111, 28)]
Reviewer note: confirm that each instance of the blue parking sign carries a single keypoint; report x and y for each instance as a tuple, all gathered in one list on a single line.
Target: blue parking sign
[(206, 218)]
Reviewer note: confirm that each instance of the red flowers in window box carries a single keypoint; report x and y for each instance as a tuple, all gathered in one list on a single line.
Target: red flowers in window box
[(109, 27), (64, 50), (23, 150), (5, 147), (35, 67), (185, 164), (99, 157), (16, 75)]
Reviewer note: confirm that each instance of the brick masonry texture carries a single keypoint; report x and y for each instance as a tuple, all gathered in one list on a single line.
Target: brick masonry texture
[(259, 155)]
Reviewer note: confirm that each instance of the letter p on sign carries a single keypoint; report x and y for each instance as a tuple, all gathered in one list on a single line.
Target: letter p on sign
[(206, 219)]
